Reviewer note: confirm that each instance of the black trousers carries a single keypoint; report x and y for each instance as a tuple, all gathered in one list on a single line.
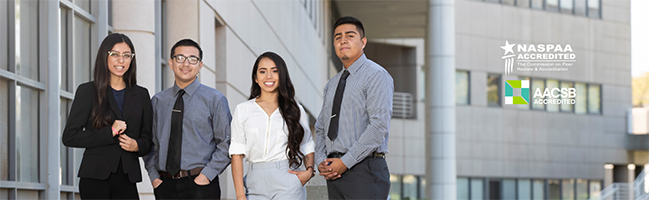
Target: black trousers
[(369, 179), (186, 188), (117, 186)]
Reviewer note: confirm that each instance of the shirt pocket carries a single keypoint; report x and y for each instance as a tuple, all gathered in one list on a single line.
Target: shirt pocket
[(253, 141)]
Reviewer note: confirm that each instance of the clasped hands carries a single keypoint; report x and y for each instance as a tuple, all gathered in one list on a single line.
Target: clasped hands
[(332, 168)]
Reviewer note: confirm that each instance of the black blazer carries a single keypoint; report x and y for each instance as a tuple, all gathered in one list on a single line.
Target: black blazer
[(103, 153)]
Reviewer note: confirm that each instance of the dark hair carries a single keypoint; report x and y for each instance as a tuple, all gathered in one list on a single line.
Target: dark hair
[(100, 116), (189, 43), (353, 21), (287, 107)]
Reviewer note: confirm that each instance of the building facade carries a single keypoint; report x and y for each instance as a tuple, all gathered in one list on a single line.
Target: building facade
[(498, 151)]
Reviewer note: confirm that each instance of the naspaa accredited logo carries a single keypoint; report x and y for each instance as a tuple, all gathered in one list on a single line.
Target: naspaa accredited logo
[(537, 57)]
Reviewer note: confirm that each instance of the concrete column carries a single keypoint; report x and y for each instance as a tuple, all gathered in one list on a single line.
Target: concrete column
[(608, 175), (440, 100), (136, 19), (53, 189), (631, 178)]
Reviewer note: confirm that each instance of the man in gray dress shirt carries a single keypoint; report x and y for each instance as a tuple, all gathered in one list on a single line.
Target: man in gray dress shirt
[(353, 126), (191, 145)]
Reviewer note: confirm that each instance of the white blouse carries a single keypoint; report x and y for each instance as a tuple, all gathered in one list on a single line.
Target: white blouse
[(261, 138)]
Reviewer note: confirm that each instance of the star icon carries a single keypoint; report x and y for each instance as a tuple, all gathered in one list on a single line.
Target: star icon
[(508, 47)]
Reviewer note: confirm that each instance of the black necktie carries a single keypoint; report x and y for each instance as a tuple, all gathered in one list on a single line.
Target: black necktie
[(335, 110), (176, 136)]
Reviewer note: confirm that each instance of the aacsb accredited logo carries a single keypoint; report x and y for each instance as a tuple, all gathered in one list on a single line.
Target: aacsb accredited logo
[(517, 92), (538, 57)]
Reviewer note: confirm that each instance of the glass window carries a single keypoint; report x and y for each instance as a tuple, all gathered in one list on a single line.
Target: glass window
[(523, 3), (110, 13), (566, 107), (78, 154), (538, 190), (64, 150), (582, 189), (81, 51), (580, 7), (566, 6), (477, 189), (84, 4), (27, 38), (4, 130), (27, 194), (593, 8), (27, 124), (552, 5), (493, 90), (581, 103), (64, 50), (508, 2), (495, 1), (537, 85), (509, 189), (422, 187), (595, 189), (568, 189), (409, 187), (594, 106), (537, 4), (395, 190), (554, 189), (495, 190), (524, 188), (461, 87), (551, 84), (462, 188)]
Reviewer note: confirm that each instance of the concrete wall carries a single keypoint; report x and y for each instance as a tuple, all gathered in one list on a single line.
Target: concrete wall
[(510, 142)]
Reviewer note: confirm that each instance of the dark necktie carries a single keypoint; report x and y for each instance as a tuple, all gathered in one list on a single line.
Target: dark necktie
[(176, 136), (335, 110)]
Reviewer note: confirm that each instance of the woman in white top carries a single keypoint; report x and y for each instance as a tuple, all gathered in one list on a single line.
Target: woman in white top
[(271, 130)]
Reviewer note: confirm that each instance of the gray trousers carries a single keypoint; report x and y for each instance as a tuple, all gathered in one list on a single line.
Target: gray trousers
[(369, 179), (272, 181)]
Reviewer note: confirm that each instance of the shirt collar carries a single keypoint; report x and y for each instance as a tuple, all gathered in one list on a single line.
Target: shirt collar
[(190, 89), (357, 64)]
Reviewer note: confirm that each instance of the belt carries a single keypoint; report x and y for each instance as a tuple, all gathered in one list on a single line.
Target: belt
[(182, 173), (372, 155)]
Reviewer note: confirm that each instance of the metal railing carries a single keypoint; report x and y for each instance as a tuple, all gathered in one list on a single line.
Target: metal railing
[(403, 105), (615, 191), (641, 186)]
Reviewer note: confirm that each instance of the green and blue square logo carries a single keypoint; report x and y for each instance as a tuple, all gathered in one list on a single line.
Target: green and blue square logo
[(517, 92)]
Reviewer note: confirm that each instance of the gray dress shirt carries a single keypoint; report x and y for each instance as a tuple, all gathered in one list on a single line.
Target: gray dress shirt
[(206, 130), (365, 114)]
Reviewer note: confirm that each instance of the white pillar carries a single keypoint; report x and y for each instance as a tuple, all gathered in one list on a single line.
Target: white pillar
[(608, 175), (440, 100), (54, 130), (136, 19), (631, 179)]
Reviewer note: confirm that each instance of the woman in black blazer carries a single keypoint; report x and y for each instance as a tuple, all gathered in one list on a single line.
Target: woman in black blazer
[(111, 118)]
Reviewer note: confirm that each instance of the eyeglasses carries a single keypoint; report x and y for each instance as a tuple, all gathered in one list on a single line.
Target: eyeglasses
[(180, 59), (116, 55)]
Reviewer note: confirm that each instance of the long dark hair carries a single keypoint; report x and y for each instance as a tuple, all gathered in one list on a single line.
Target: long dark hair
[(100, 116), (287, 107)]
